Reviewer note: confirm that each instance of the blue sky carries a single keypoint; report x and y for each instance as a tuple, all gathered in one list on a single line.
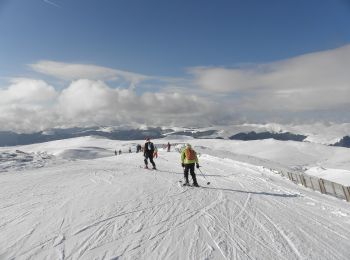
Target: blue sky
[(164, 37), (177, 43)]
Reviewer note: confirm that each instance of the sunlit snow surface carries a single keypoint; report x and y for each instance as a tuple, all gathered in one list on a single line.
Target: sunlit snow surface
[(74, 199)]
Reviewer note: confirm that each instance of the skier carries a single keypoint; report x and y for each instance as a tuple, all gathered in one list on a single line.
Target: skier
[(168, 145), (120, 152), (155, 154), (188, 160), (138, 148), (148, 153), (129, 149)]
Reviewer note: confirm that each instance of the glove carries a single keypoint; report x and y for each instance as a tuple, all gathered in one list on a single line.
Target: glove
[(183, 165), (197, 165)]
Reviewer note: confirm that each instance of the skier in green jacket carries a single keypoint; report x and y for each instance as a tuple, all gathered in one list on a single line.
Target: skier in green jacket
[(188, 160)]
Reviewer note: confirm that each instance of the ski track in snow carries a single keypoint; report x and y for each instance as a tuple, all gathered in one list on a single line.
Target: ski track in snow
[(110, 208)]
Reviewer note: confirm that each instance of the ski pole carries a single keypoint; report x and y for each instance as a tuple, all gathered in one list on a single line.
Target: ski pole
[(208, 182)]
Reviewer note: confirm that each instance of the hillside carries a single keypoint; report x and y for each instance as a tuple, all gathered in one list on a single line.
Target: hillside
[(84, 202)]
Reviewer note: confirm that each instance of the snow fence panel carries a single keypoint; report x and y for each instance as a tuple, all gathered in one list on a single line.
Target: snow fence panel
[(292, 176), (339, 191), (308, 182), (301, 179), (315, 183), (328, 187)]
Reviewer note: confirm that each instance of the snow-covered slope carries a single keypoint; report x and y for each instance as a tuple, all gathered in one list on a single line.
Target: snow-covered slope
[(108, 207)]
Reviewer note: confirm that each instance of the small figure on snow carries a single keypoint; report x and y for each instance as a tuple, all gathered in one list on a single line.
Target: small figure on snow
[(148, 153), (168, 147), (115, 152), (188, 160), (129, 149), (155, 154), (138, 148), (120, 151)]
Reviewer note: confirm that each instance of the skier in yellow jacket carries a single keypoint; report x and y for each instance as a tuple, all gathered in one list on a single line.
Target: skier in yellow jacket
[(188, 160)]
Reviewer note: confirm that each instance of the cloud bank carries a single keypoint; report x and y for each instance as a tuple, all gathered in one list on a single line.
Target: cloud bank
[(32, 105), (71, 71), (310, 87), (313, 81)]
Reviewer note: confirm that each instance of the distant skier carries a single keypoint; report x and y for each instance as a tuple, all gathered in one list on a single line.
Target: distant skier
[(129, 149), (155, 154), (168, 147), (148, 153), (138, 148), (120, 151), (115, 152), (188, 160)]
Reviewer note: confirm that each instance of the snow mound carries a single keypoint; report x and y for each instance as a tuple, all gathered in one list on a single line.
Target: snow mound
[(19, 160)]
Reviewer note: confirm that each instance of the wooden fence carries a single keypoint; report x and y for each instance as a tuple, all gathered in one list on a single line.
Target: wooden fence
[(319, 184)]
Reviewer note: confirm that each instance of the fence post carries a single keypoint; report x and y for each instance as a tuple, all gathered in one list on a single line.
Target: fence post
[(312, 185), (302, 180), (346, 191), (322, 188)]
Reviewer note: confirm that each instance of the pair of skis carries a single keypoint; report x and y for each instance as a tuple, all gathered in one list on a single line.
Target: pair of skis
[(151, 169), (187, 184)]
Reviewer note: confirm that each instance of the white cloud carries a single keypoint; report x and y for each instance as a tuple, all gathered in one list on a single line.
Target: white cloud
[(72, 71), (83, 97), (308, 87), (26, 105), (52, 3), (318, 80), (28, 91), (32, 105), (93, 101), (316, 70)]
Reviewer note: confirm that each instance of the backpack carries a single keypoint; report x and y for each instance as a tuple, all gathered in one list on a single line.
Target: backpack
[(190, 154)]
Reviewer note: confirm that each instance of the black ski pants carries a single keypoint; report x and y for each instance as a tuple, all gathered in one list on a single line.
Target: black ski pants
[(149, 155), (190, 168)]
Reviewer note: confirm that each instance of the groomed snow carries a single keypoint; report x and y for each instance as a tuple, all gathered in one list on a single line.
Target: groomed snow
[(87, 203)]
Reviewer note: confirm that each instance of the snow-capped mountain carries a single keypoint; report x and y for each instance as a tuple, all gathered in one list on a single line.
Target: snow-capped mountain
[(329, 134)]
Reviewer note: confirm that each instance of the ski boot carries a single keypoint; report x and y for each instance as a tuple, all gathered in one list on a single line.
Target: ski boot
[(195, 183), (187, 183)]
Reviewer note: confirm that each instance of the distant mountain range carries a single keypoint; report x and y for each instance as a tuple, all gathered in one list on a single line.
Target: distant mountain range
[(11, 138), (266, 135), (244, 133), (344, 142)]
